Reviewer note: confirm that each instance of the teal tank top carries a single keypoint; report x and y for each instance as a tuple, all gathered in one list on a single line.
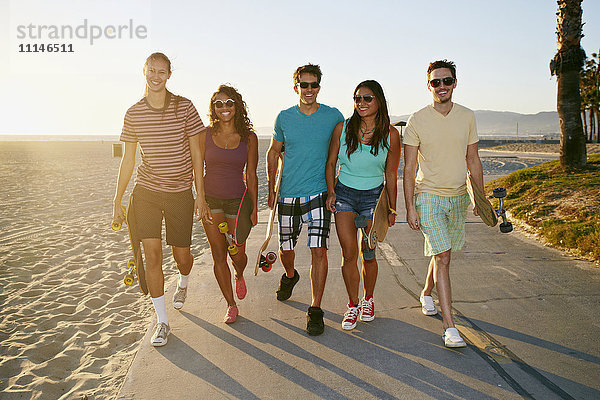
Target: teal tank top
[(363, 170)]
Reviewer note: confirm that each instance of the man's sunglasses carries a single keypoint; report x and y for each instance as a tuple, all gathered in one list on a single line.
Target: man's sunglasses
[(367, 98), (227, 103), (304, 85), (448, 81)]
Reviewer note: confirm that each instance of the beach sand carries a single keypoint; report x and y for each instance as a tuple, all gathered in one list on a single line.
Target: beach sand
[(69, 327)]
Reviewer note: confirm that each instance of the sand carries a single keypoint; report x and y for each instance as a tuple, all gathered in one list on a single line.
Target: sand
[(69, 327)]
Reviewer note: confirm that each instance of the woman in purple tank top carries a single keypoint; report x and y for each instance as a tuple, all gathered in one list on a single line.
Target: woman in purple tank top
[(229, 146)]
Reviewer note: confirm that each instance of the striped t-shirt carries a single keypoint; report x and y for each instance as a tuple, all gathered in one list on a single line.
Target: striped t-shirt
[(163, 136)]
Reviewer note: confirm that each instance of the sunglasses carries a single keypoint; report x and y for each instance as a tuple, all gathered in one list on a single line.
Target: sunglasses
[(448, 81), (304, 85), (227, 103), (367, 98)]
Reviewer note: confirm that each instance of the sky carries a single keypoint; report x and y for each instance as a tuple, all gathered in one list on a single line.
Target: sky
[(502, 50)]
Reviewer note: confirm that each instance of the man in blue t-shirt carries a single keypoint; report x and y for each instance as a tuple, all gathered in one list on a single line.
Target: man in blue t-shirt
[(305, 130)]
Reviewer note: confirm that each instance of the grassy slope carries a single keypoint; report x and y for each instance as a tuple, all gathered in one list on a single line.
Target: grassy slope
[(562, 207)]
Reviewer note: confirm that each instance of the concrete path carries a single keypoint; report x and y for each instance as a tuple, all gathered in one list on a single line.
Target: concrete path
[(529, 314)]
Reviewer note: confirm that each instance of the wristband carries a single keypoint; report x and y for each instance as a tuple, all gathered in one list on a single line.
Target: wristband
[(393, 211)]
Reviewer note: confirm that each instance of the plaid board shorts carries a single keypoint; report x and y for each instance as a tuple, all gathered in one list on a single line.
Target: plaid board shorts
[(295, 211), (442, 221)]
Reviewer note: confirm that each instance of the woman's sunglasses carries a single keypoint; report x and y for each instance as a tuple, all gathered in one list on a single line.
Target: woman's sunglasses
[(367, 98), (448, 81), (304, 85), (227, 103)]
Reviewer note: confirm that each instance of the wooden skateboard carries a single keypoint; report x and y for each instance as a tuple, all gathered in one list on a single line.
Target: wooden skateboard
[(486, 211), (265, 262), (380, 224), (135, 265)]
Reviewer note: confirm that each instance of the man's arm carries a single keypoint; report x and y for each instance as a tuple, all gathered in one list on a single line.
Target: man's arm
[(273, 155), (410, 172), (475, 168), (332, 157)]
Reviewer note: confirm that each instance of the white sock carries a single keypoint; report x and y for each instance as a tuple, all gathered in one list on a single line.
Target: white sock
[(161, 309), (183, 280)]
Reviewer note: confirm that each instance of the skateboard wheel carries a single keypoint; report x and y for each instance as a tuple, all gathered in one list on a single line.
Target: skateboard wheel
[(368, 254), (500, 192), (266, 268), (271, 257), (233, 250), (506, 227), (131, 263), (116, 226), (223, 228), (128, 280)]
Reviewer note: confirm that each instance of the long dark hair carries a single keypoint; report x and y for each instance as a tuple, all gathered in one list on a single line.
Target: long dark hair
[(242, 123), (382, 122)]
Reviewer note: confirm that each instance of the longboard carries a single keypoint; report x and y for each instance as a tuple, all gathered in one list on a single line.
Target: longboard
[(484, 207), (380, 224), (138, 260), (260, 259), (243, 222)]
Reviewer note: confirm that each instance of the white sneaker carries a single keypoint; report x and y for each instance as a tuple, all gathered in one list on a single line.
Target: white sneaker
[(452, 338), (427, 306), (179, 297), (159, 338)]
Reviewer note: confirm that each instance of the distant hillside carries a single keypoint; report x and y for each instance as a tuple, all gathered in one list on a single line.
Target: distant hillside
[(504, 123)]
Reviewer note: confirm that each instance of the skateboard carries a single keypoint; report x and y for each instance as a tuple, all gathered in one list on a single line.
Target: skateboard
[(380, 220), (360, 221), (486, 211), (262, 261), (136, 264), (243, 225)]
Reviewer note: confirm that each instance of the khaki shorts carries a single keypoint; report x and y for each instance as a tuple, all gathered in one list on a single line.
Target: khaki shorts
[(442, 221), (177, 209)]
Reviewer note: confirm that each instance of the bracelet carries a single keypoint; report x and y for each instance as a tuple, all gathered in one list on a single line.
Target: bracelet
[(393, 211)]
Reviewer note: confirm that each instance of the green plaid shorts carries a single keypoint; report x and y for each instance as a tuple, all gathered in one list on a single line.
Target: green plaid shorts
[(442, 221)]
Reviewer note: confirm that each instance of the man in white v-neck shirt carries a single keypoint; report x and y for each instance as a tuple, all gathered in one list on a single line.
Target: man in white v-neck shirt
[(442, 140)]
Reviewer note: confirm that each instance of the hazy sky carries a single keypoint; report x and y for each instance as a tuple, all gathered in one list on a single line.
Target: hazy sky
[(502, 50)]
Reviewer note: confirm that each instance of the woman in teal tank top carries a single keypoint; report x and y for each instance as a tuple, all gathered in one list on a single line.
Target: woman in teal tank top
[(368, 150)]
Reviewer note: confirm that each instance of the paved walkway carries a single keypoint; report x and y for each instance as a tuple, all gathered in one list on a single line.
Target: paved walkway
[(529, 314)]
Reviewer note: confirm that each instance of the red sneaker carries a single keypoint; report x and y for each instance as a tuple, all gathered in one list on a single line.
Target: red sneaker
[(240, 288), (368, 310), (231, 316), (350, 318)]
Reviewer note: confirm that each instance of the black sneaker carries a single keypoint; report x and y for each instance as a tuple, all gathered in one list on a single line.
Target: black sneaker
[(314, 321), (286, 285)]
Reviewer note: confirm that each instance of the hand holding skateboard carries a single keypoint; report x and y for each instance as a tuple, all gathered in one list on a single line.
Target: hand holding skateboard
[(484, 208)]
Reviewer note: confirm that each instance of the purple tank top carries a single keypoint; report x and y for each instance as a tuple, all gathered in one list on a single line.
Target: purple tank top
[(224, 169)]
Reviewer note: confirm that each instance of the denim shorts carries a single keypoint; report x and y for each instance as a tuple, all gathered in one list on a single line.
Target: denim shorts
[(228, 206), (357, 201)]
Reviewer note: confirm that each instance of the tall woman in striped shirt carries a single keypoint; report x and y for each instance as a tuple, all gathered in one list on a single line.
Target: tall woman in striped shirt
[(228, 147), (168, 129)]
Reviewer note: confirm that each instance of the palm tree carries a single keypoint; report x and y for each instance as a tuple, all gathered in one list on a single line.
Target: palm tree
[(566, 65)]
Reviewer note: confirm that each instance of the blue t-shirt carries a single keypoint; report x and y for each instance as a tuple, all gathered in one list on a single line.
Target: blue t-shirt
[(363, 171), (306, 140)]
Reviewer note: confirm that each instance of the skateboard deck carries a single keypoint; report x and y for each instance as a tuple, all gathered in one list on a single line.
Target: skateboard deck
[(243, 222), (272, 214), (484, 207), (136, 248), (380, 224)]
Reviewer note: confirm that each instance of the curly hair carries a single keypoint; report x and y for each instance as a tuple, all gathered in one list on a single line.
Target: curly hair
[(242, 123), (382, 122)]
